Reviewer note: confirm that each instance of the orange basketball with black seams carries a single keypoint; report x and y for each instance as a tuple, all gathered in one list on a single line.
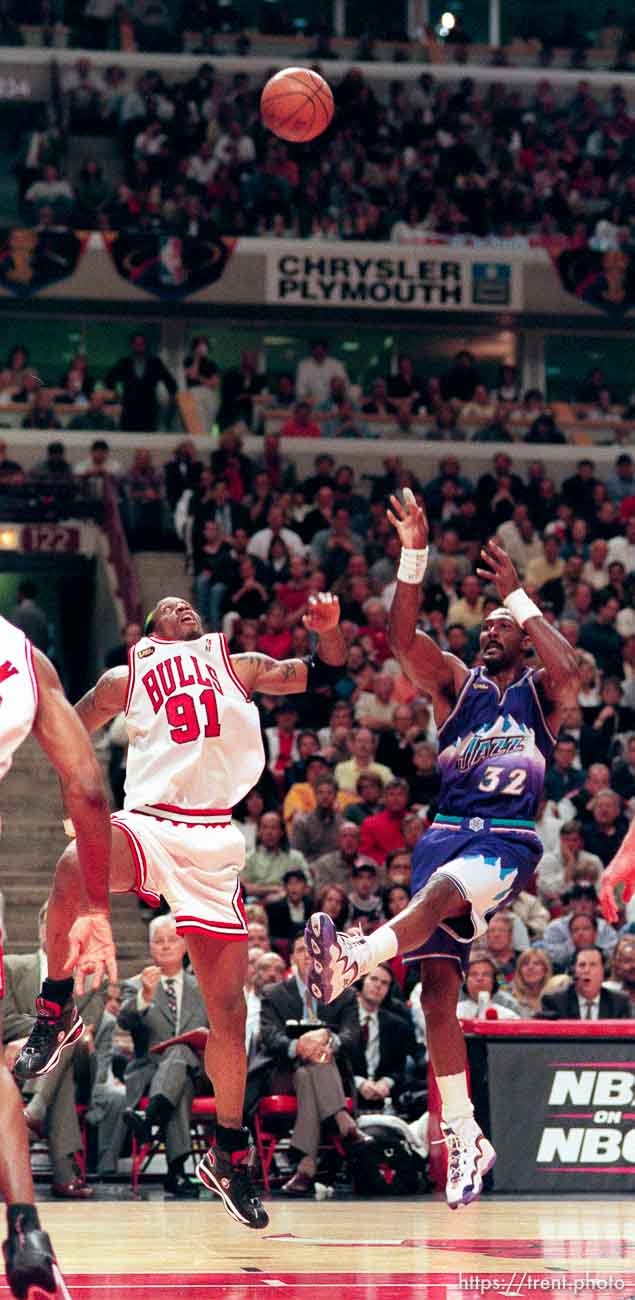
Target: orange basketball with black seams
[(297, 104)]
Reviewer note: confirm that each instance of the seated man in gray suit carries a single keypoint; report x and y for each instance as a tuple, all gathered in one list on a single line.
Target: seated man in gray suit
[(161, 1002), (51, 1106), (108, 1093), (586, 998)]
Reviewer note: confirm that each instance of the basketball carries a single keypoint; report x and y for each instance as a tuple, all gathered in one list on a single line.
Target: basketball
[(297, 104)]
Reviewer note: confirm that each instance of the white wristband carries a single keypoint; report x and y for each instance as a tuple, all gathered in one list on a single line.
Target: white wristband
[(521, 606), (69, 829), (412, 565)]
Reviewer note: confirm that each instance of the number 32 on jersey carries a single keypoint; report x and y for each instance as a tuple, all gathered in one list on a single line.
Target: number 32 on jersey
[(514, 780)]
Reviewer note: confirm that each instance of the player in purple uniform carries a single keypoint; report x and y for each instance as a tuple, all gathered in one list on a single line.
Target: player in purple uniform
[(497, 726)]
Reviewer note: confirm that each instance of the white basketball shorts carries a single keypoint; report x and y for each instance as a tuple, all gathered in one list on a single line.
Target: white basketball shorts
[(196, 869)]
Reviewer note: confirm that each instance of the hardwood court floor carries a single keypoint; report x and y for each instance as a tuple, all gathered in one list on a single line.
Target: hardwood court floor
[(348, 1250)]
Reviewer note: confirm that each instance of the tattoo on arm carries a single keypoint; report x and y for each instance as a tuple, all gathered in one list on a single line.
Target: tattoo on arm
[(289, 671)]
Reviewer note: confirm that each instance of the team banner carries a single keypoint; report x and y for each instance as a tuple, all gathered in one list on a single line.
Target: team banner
[(33, 258), (388, 276), (575, 1129), (603, 279), (170, 266)]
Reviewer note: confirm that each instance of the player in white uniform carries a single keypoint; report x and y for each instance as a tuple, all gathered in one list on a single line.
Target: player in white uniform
[(31, 699), (195, 750)]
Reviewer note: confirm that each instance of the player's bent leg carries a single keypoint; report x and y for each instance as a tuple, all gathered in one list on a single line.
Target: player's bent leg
[(470, 1154), (58, 1024), (220, 968), (338, 960), (28, 1254)]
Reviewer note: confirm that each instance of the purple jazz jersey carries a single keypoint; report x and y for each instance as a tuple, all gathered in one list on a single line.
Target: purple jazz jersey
[(493, 751)]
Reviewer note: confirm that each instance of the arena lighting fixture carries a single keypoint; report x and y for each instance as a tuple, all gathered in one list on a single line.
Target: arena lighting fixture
[(9, 539), (447, 23)]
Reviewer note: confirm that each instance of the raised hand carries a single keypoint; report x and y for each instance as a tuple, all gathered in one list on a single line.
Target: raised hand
[(323, 613), (501, 571), (410, 520)]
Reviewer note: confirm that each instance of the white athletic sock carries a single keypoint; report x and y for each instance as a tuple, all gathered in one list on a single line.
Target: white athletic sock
[(380, 946), (455, 1099)]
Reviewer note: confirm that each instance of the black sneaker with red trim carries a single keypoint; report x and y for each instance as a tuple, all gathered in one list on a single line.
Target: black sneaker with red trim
[(55, 1028), (31, 1267), (228, 1174)]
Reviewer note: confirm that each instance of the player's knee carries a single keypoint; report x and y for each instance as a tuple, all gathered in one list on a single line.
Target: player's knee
[(229, 1013)]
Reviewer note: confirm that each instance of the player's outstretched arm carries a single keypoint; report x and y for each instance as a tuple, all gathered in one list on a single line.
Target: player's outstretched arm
[(91, 950), (621, 870), (422, 660), (258, 672), (560, 677), (66, 743)]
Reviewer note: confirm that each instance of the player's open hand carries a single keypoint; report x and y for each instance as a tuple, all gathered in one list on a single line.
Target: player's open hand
[(91, 950), (501, 571), (323, 614), (410, 520), (620, 871)]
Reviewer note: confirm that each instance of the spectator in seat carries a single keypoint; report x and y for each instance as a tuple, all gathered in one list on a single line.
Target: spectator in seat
[(382, 833), (309, 1062), (599, 739), (301, 424), (260, 544), (362, 761), (94, 416), (582, 900), (118, 654), (50, 1106), (282, 739), (620, 484), (315, 373), (30, 617), (623, 774), (316, 833), (500, 947), (205, 393), (468, 610), (533, 970), (563, 777), (381, 1045), (181, 472), (369, 791), (333, 900), (481, 977), (595, 571), (211, 562), (289, 915), (399, 868), (41, 414), (557, 872), (365, 902), (461, 381), (605, 832), (139, 376), (337, 867), (586, 998), (378, 402), (159, 1003), (54, 468), (623, 969), (268, 968), (395, 747), (550, 567), (271, 858), (144, 492)]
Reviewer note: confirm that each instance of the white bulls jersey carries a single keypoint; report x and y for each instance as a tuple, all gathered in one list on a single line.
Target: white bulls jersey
[(18, 691), (195, 742)]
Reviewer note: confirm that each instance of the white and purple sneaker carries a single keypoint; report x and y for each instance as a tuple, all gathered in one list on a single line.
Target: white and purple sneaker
[(337, 960), (470, 1157)]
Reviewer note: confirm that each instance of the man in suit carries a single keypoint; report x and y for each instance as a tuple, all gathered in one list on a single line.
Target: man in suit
[(381, 1043), (586, 998), (162, 1002), (51, 1107), (108, 1093), (307, 1063), (288, 916)]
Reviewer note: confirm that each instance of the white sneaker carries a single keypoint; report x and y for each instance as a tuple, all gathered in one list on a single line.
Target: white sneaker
[(337, 960), (470, 1156)]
